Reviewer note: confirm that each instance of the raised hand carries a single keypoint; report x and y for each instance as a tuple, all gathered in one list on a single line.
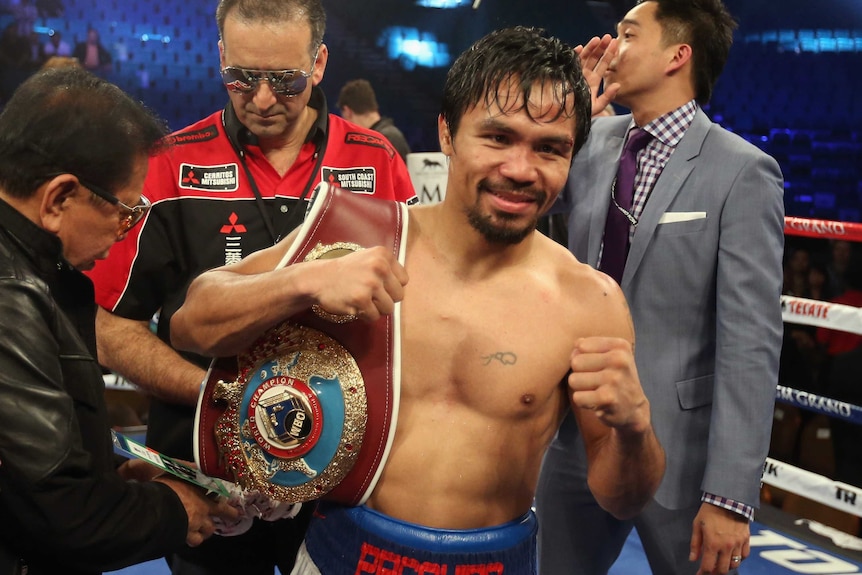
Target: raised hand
[(595, 58)]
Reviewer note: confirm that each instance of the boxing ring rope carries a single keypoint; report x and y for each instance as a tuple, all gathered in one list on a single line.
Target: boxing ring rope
[(819, 404), (812, 486), (826, 229), (821, 314), (823, 490)]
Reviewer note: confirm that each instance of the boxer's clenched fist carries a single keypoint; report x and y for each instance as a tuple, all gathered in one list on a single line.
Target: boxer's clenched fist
[(366, 284), (604, 380)]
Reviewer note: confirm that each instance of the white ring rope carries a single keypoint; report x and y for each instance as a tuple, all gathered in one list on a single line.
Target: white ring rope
[(816, 487), (821, 314)]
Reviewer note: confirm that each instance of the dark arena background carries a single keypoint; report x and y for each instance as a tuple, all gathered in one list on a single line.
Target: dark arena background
[(792, 87)]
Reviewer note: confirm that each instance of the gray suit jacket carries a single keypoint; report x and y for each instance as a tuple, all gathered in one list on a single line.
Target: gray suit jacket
[(703, 281)]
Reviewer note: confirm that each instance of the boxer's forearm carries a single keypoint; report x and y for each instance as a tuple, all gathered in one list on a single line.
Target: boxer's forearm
[(225, 312), (626, 472)]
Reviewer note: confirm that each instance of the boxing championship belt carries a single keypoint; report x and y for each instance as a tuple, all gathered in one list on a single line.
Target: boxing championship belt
[(309, 410)]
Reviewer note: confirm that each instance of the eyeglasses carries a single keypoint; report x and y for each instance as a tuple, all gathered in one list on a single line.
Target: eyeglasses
[(130, 216), (287, 83)]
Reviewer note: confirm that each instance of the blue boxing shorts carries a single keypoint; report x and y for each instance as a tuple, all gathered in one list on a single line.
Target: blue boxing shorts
[(358, 540)]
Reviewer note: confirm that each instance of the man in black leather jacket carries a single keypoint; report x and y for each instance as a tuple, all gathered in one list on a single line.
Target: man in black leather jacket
[(73, 156)]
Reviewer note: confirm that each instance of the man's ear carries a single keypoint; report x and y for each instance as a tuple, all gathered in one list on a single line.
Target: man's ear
[(445, 136), (320, 64), (55, 196), (680, 57)]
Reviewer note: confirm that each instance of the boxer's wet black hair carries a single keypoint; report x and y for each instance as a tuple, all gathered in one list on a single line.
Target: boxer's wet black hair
[(528, 57)]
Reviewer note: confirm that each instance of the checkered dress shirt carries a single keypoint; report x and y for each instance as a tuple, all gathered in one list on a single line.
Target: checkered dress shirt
[(667, 131)]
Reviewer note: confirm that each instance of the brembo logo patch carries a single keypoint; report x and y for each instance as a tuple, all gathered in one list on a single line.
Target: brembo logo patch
[(202, 135)]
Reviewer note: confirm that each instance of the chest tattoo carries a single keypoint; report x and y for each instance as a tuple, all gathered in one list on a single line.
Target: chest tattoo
[(504, 357)]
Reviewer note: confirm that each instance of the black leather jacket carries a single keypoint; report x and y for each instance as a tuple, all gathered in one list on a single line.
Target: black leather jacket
[(63, 507)]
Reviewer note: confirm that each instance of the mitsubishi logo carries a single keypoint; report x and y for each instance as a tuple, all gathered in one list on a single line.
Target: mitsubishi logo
[(191, 179), (233, 227)]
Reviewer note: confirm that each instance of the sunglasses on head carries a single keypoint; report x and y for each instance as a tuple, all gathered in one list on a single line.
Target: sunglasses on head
[(283, 82)]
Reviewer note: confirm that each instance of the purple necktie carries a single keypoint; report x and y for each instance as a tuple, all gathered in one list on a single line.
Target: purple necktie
[(617, 226)]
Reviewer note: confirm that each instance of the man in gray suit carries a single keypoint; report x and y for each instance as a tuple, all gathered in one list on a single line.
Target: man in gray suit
[(702, 276)]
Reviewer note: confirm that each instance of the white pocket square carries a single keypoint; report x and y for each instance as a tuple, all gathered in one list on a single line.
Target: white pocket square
[(671, 217)]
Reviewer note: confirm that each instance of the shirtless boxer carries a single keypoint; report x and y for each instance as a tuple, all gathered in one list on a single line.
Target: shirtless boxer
[(502, 332)]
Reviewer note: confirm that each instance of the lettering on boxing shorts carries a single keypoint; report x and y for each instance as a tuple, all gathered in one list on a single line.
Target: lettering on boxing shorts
[(370, 140), (356, 180), (209, 178), (193, 137), (232, 231), (379, 561)]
